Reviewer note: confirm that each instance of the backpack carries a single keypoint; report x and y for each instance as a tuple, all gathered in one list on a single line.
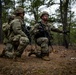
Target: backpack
[(6, 31)]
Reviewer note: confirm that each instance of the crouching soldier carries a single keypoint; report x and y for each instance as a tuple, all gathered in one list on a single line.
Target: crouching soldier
[(6, 32), (41, 33), (17, 37)]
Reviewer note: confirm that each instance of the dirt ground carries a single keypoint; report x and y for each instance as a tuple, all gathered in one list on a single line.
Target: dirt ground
[(63, 62)]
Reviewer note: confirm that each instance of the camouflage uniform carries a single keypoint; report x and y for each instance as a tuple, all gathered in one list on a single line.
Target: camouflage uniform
[(41, 40), (6, 28), (5, 35), (41, 34), (6, 32), (17, 37)]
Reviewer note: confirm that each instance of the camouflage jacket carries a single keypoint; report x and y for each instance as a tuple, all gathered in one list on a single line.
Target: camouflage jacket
[(17, 28), (43, 30)]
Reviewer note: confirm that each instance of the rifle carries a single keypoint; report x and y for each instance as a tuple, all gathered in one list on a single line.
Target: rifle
[(26, 30), (44, 33)]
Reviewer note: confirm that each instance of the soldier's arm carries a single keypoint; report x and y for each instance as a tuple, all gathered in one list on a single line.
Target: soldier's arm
[(34, 29), (56, 30), (52, 28), (17, 28)]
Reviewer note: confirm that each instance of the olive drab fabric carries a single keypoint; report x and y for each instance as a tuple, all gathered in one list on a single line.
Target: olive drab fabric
[(6, 28), (6, 32), (18, 36), (41, 30), (17, 29), (41, 34), (19, 10)]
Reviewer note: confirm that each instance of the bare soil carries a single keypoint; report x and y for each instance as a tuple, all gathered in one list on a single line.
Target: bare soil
[(63, 62)]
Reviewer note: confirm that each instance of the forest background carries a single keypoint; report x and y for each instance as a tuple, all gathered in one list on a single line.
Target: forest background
[(62, 16)]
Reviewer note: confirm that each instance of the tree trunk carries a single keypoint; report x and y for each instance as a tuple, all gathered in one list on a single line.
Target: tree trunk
[(65, 24), (0, 21), (64, 10)]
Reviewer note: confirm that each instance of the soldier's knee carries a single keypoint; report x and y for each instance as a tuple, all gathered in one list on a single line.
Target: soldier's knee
[(45, 40), (24, 41), (8, 54), (42, 40), (8, 47)]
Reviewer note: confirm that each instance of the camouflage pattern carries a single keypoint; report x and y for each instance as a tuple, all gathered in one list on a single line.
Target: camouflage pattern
[(6, 32), (8, 50), (42, 35), (19, 10), (18, 37), (41, 40), (6, 28)]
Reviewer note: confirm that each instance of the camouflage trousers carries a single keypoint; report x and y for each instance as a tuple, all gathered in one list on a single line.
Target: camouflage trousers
[(16, 47), (23, 42), (44, 48), (7, 50)]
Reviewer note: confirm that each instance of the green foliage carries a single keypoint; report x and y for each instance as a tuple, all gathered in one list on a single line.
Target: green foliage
[(73, 32), (7, 4), (32, 8)]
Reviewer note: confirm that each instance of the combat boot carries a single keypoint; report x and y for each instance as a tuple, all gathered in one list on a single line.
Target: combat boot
[(16, 55), (45, 57), (31, 53), (2, 54)]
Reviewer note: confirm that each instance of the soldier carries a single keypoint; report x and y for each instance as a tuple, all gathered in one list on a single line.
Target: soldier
[(18, 37), (6, 28), (42, 35), (6, 33)]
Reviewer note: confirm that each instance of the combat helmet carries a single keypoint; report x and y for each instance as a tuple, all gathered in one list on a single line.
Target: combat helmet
[(19, 10), (43, 13)]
